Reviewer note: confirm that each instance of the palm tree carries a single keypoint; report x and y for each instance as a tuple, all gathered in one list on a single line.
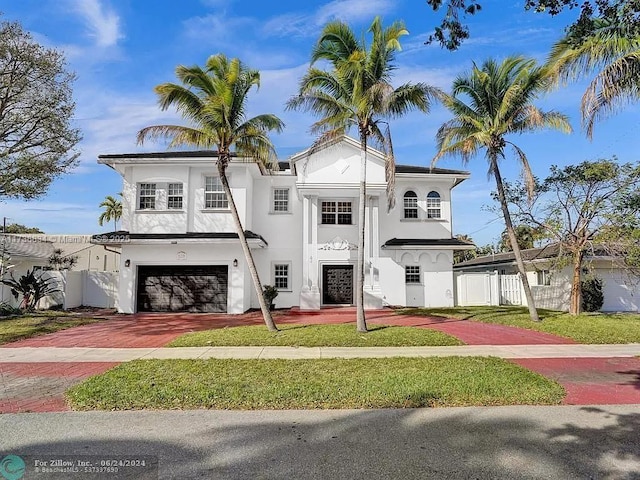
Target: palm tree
[(357, 93), (112, 211), (488, 104), (214, 101), (611, 50)]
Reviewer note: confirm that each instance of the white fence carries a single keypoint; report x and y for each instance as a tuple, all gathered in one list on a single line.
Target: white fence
[(83, 288), (487, 288)]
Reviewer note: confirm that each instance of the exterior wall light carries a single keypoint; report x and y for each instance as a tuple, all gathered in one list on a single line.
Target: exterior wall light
[(127, 263), (235, 262)]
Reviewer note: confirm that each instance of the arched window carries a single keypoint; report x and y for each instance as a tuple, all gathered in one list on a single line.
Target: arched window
[(433, 205), (410, 204)]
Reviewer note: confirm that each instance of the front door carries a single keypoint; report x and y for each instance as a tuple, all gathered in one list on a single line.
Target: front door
[(337, 284)]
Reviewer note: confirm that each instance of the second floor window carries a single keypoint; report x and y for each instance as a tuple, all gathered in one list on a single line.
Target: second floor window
[(433, 205), (281, 200), (214, 196), (174, 196), (336, 213), (147, 196), (410, 204)]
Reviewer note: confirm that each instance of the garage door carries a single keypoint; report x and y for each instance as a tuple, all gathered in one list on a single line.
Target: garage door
[(182, 289)]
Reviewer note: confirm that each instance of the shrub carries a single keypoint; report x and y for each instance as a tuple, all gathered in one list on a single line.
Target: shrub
[(592, 296), (31, 287), (270, 293)]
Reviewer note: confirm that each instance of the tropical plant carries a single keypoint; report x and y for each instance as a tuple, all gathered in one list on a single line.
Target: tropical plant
[(112, 211), (214, 101), (31, 287), (489, 103), (612, 49), (357, 93)]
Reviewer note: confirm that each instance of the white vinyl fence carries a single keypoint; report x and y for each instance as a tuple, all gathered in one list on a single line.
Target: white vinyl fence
[(84, 288), (487, 288)]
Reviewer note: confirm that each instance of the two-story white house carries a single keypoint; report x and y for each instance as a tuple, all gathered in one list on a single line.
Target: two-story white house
[(180, 251)]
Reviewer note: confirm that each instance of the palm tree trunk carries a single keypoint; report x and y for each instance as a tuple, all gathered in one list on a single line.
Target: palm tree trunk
[(361, 322), (575, 303), (264, 308), (533, 313)]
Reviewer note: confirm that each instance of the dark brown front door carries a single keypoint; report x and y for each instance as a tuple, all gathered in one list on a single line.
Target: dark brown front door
[(337, 284), (182, 288)]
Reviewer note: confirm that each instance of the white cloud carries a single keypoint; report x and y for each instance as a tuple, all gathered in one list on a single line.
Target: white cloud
[(350, 11), (103, 23), (218, 28)]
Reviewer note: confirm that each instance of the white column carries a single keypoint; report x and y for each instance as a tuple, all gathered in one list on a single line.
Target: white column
[(368, 280), (314, 245), (306, 260), (375, 243)]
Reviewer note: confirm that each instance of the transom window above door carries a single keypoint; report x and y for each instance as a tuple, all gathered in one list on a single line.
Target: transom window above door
[(336, 213)]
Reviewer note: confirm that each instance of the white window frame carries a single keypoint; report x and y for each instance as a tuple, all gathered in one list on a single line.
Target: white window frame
[(219, 196), (277, 204), (174, 195), (275, 275), (410, 203), (410, 276), (543, 277), (146, 188), (336, 212), (434, 206)]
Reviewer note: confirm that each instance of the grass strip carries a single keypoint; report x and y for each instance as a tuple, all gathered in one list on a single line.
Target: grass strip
[(336, 335), (40, 323), (588, 328), (314, 384)]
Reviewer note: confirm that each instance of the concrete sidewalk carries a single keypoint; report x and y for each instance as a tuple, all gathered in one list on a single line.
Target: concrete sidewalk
[(87, 354)]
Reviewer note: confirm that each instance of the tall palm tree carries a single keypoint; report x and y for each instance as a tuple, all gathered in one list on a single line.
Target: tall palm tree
[(613, 52), (357, 93), (214, 101), (112, 211), (488, 104)]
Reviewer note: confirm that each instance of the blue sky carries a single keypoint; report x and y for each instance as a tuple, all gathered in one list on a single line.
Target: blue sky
[(121, 49)]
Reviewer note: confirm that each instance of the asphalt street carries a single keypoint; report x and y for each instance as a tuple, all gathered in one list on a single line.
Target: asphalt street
[(563, 442)]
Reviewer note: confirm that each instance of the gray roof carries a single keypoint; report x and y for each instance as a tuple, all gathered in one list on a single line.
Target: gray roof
[(428, 170), (425, 242), (25, 247), (528, 254)]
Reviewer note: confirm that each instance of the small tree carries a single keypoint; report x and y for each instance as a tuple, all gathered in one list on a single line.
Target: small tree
[(36, 108), (31, 287), (58, 261), (112, 211), (593, 206)]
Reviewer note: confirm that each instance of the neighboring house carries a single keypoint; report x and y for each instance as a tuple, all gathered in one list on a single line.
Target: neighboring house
[(180, 252), (17, 255), (90, 256), (551, 288)]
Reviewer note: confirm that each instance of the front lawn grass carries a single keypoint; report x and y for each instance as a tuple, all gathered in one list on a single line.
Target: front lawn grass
[(337, 335), (33, 324), (590, 328), (313, 384)]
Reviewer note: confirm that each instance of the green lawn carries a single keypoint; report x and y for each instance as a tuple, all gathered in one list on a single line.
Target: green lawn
[(38, 323), (585, 328), (307, 384), (340, 335)]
